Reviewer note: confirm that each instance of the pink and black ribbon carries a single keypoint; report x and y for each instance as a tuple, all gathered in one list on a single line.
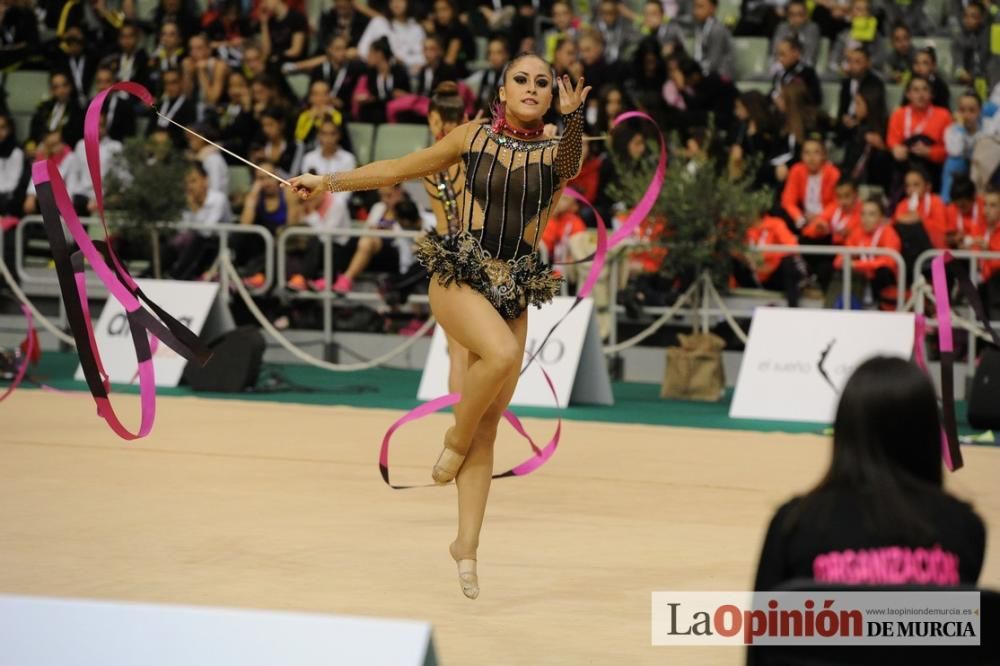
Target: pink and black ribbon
[(56, 208)]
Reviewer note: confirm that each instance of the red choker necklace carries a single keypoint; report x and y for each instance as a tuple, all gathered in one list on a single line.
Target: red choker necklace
[(500, 124)]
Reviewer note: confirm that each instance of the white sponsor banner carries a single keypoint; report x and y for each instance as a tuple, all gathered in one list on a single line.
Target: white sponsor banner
[(188, 302), (820, 617), (572, 357), (72, 632), (797, 360)]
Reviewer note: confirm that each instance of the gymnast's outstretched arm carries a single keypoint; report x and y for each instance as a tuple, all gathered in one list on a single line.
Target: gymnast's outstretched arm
[(430, 160)]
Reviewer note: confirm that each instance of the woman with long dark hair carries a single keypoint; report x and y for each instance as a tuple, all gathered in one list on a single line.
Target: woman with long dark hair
[(485, 276), (880, 515)]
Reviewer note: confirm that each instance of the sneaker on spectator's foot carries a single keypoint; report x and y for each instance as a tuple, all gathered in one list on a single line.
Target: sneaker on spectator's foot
[(255, 281), (343, 284), (297, 282), (282, 323), (319, 284)]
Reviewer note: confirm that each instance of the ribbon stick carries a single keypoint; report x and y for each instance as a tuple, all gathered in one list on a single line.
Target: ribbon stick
[(57, 208), (604, 244)]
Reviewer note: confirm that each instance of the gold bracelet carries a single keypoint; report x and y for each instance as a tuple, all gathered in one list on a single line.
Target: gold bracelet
[(329, 183)]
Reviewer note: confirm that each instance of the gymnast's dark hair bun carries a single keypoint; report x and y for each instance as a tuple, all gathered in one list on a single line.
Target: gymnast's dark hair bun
[(446, 89)]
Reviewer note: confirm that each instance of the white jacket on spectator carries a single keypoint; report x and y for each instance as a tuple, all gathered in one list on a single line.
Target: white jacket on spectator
[(713, 48), (406, 40), (77, 173), (216, 168), (11, 170), (215, 210), (333, 213), (314, 162)]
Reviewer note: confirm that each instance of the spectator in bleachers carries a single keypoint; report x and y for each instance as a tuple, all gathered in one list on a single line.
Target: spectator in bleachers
[(713, 45), (18, 34), (811, 185), (385, 80), (925, 65), (60, 113), (382, 255), (797, 24), (920, 210), (130, 62), (227, 30), (204, 75), (899, 62), (612, 102), (990, 240), (912, 14), (705, 95), (283, 32), (859, 80), (119, 112), (235, 119), (778, 271), (210, 157), (175, 105), (486, 81), (791, 68), (597, 71), (340, 73), (456, 39), (832, 16), (436, 68), (320, 110), (864, 33), (647, 77), (272, 144), (562, 227), (266, 94), (51, 147), (326, 212), (799, 122), (875, 271), (839, 219), (205, 207), (965, 215), (404, 35), (14, 171), (328, 156), (866, 156), (960, 139), (77, 176), (620, 34), (970, 47), (168, 55), (916, 130), (72, 57), (267, 205), (565, 61), (880, 515), (180, 14), (759, 18), (668, 34), (755, 138), (342, 20), (563, 28)]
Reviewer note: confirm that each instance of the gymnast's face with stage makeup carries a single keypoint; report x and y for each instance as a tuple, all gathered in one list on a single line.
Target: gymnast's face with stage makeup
[(527, 91)]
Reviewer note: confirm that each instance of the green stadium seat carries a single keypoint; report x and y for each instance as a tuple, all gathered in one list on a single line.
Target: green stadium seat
[(239, 179), (760, 86), (956, 92), (299, 83), (822, 57), (362, 137), (942, 46), (751, 56), (893, 97), (22, 121), (482, 44), (397, 140), (728, 12), (26, 90), (831, 98)]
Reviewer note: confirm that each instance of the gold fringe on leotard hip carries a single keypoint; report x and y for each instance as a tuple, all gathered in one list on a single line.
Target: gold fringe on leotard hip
[(510, 286)]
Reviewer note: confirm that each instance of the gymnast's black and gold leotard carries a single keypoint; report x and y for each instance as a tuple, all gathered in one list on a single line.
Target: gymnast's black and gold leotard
[(510, 187)]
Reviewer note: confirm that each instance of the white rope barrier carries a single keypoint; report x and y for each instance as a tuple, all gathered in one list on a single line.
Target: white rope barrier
[(237, 282), (714, 293), (656, 325), (60, 335)]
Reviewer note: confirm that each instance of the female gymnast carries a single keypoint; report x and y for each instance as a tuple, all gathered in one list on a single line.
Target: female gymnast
[(445, 188), (488, 272)]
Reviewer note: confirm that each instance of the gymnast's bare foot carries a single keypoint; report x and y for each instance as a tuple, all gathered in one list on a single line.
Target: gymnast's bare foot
[(467, 576), (449, 462)]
